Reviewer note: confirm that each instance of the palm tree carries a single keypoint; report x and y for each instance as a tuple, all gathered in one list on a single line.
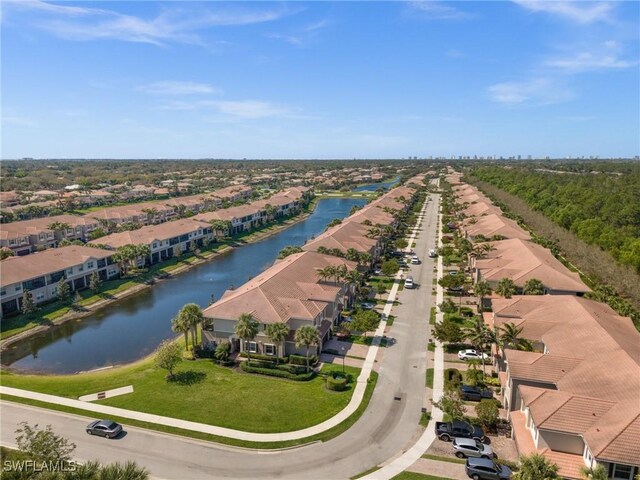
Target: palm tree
[(341, 272), (277, 333), (536, 467), (479, 336), (191, 316), (365, 258), (143, 250), (151, 214), (594, 473), (506, 287), (178, 325), (481, 290), (352, 254), (509, 335), (247, 329), (533, 286), (307, 336), (271, 212), (323, 274), (59, 227), (323, 250)]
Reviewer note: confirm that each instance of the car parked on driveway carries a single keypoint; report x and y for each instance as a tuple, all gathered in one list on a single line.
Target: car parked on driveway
[(467, 392), (472, 355), (104, 428), (486, 469), (469, 447), (446, 431), (367, 306)]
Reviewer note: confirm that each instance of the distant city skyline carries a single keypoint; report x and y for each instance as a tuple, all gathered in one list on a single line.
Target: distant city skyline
[(315, 80)]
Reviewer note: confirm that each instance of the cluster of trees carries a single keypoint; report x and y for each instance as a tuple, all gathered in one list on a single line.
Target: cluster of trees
[(600, 208), (127, 256), (362, 258)]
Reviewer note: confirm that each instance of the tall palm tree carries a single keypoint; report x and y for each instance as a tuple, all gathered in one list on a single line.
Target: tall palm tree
[(277, 333), (481, 290), (179, 325), (247, 329), (536, 467), (341, 272), (323, 274), (323, 250), (59, 228), (479, 336), (506, 287), (191, 316), (365, 258), (307, 336), (533, 286), (143, 251), (352, 254), (510, 335)]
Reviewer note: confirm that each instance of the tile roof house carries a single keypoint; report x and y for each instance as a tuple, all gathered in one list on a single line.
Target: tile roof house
[(576, 399), (521, 260), (493, 225), (289, 292), (40, 273)]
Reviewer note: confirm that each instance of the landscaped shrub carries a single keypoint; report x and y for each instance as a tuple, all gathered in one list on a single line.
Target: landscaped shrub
[(275, 372), (203, 353), (265, 358), (336, 383), (302, 360), (452, 379)]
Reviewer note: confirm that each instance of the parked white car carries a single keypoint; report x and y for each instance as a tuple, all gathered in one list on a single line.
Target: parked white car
[(408, 282), (472, 355), (415, 260), (432, 253)]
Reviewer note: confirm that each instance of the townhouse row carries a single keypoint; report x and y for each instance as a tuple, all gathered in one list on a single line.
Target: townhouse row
[(29, 236), (576, 397), (292, 292)]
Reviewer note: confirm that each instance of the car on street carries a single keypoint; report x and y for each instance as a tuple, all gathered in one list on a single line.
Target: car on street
[(468, 447), (408, 283), (486, 469), (467, 392), (432, 253), (104, 428), (367, 306), (472, 355), (415, 260)]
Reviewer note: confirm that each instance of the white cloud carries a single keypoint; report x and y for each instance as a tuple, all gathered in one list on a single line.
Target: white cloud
[(291, 39), (580, 12), (177, 88), (585, 61), (172, 25), (541, 91), (438, 10), (252, 109), (18, 121)]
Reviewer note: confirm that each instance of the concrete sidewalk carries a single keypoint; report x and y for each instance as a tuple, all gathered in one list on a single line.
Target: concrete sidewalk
[(354, 403)]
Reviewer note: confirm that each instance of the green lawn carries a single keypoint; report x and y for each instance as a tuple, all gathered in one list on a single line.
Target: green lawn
[(429, 379), (416, 476), (217, 396)]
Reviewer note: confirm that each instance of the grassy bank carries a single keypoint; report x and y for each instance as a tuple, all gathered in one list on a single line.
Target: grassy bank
[(324, 436), (205, 393)]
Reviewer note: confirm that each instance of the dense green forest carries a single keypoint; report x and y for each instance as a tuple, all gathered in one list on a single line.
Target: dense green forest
[(599, 202)]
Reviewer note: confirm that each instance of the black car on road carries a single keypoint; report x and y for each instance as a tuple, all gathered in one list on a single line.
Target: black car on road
[(104, 428)]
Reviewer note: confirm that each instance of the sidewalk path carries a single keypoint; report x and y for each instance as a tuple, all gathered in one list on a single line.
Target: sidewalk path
[(354, 403)]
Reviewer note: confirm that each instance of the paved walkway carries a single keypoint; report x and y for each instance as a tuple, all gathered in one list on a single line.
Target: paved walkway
[(437, 468), (411, 456), (354, 403)]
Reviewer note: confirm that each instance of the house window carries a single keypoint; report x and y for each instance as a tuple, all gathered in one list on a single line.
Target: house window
[(252, 347), (155, 244), (40, 296), (69, 271), (269, 349), (18, 287), (3, 292), (89, 264), (54, 291), (622, 471), (81, 268)]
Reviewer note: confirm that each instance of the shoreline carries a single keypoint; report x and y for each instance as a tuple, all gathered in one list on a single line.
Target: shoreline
[(95, 307)]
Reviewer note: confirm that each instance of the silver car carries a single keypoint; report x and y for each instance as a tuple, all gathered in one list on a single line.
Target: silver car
[(104, 428), (468, 447)]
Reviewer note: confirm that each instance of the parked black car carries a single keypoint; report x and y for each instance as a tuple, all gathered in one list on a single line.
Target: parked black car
[(486, 469), (104, 428), (448, 430), (467, 392)]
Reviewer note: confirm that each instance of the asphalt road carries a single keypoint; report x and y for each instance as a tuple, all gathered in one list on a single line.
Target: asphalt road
[(385, 430)]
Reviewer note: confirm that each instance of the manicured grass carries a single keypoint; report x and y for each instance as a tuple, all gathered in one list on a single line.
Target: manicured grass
[(209, 394), (431, 347), (442, 458), (321, 437), (390, 320), (416, 476), (429, 379), (432, 316), (424, 419), (362, 340)]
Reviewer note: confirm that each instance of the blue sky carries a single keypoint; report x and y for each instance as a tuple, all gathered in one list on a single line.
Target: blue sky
[(319, 79)]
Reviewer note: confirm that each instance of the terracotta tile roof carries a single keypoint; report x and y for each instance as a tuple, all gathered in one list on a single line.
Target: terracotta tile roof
[(20, 269), (289, 289), (545, 368), (521, 260), (343, 237), (151, 233), (495, 224)]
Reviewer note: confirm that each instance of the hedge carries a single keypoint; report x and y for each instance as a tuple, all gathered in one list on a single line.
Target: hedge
[(337, 384), (275, 372), (302, 360), (452, 378), (265, 358), (287, 367)]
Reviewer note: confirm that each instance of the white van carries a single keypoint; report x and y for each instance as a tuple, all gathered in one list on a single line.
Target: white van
[(408, 282)]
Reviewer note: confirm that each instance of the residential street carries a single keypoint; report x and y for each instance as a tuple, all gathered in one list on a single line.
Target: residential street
[(386, 429)]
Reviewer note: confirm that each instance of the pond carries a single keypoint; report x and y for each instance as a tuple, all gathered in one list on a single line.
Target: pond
[(372, 187), (133, 327)]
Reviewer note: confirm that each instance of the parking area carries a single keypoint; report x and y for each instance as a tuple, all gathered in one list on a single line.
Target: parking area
[(502, 446)]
